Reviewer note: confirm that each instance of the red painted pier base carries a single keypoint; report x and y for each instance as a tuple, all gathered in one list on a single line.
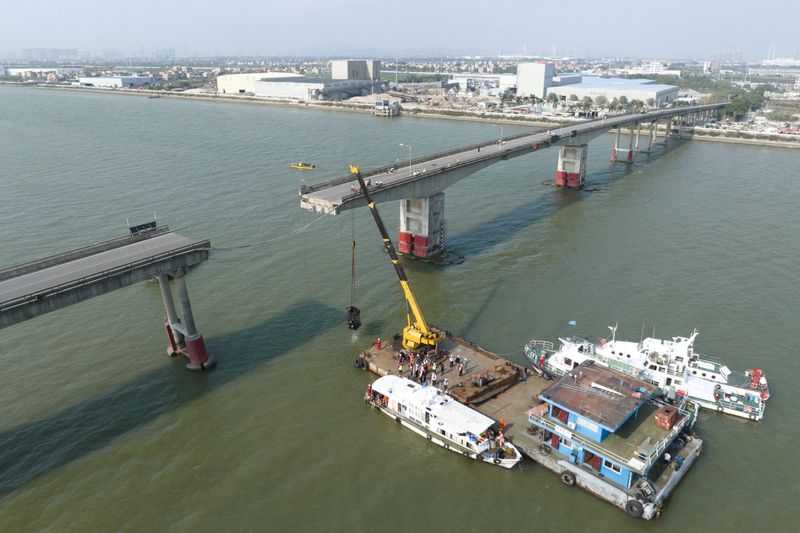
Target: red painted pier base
[(420, 246), (569, 179), (197, 354), (405, 243)]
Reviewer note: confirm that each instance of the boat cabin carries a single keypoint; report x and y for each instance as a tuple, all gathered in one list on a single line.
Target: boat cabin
[(607, 422)]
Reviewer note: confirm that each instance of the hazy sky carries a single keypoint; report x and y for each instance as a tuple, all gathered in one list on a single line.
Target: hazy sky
[(691, 29)]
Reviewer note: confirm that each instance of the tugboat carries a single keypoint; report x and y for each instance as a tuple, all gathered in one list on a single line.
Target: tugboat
[(302, 165), (431, 413), (673, 366)]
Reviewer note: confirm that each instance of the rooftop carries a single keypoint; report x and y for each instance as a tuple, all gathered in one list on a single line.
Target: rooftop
[(623, 84), (433, 400), (600, 394)]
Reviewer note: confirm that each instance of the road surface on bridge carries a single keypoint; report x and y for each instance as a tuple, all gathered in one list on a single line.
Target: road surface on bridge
[(328, 196), (72, 272)]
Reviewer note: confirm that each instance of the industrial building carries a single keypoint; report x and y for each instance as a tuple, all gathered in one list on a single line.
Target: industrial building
[(356, 69), (245, 83), (534, 78), (475, 80), (610, 88), (115, 81), (303, 88)]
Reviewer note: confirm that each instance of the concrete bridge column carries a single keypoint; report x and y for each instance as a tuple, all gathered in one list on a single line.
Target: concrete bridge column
[(571, 169), (616, 146), (173, 336), (638, 133), (626, 155), (195, 345), (421, 223)]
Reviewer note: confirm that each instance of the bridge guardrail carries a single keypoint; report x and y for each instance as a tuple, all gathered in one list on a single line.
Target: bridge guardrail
[(21, 300), (305, 189), (54, 259)]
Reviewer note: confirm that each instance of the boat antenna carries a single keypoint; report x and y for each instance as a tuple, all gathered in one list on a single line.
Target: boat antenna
[(641, 339)]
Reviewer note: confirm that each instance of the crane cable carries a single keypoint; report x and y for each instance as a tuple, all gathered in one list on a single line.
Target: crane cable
[(353, 260)]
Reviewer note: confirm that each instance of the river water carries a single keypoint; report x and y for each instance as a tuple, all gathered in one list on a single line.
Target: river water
[(101, 431)]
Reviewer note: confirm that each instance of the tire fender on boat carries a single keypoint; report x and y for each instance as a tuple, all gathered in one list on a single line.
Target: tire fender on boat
[(568, 478), (429, 437), (397, 418), (634, 508), (465, 454), (497, 461)]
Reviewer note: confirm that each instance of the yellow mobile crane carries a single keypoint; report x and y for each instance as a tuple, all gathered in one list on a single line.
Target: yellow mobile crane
[(417, 333)]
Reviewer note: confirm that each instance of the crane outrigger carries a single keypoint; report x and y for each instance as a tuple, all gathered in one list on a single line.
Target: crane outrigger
[(417, 332)]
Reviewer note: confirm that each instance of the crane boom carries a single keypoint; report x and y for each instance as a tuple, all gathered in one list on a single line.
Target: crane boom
[(417, 332)]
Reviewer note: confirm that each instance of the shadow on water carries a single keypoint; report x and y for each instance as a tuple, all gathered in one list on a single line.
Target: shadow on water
[(37, 447), (490, 233)]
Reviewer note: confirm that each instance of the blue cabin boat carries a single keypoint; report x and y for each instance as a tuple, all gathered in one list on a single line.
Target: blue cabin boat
[(602, 430)]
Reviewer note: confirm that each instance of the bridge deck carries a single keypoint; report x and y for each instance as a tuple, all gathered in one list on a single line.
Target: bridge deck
[(331, 195), (66, 274)]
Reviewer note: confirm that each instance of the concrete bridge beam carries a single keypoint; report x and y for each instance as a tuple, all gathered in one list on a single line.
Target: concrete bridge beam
[(571, 170)]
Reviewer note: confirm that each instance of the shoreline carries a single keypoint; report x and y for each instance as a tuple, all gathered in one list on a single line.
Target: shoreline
[(428, 113)]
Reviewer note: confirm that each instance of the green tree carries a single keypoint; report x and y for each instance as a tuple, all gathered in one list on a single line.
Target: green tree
[(573, 98), (586, 103), (651, 102), (614, 105), (601, 101), (623, 100), (552, 98)]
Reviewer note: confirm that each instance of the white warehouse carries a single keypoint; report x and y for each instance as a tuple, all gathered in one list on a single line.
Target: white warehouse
[(245, 83), (116, 81), (610, 88), (302, 88)]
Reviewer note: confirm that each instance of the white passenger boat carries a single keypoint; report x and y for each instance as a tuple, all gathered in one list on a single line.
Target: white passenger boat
[(672, 365), (429, 412)]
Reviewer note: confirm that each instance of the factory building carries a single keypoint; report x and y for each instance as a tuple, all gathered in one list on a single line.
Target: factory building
[(356, 69), (475, 80), (115, 81), (610, 88), (534, 78), (245, 83), (302, 88)]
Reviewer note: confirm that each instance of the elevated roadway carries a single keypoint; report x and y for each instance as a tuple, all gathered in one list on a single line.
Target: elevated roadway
[(45, 285), (421, 181)]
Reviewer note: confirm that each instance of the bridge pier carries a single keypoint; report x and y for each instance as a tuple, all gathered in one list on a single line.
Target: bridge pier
[(421, 223), (174, 337), (617, 151), (571, 169), (195, 345), (638, 133)]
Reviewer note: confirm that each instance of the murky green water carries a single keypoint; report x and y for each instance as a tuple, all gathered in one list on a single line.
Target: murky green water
[(101, 431)]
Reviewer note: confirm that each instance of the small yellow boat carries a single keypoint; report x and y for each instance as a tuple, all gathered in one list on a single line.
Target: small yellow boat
[(302, 165)]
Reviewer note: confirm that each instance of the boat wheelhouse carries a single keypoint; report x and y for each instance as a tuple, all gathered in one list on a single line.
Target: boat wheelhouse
[(672, 365), (602, 430), (436, 416)]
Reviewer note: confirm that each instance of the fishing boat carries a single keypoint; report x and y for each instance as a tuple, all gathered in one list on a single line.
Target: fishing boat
[(672, 365), (302, 165), (430, 413)]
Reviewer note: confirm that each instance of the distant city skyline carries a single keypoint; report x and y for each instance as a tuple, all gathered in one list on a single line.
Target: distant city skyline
[(413, 28)]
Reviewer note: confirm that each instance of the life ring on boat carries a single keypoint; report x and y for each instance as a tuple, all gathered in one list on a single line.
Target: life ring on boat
[(634, 508), (568, 478), (429, 437), (497, 461)]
